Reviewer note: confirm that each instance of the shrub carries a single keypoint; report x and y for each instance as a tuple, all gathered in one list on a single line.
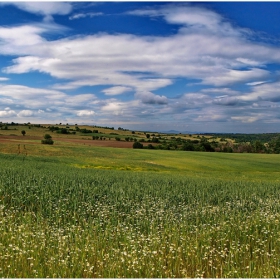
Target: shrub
[(47, 140)]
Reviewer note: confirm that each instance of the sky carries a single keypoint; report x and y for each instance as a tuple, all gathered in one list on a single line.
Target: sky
[(152, 66)]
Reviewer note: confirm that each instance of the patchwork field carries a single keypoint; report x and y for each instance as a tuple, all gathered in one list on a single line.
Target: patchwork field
[(75, 209)]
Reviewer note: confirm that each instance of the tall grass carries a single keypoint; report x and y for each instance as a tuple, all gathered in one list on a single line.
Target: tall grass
[(61, 221)]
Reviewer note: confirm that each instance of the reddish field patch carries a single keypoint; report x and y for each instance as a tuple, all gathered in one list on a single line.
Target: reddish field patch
[(99, 143)]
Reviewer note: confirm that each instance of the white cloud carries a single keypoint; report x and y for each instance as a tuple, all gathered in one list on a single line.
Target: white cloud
[(206, 48), (255, 83), (245, 119), (24, 92), (116, 90), (113, 106), (83, 15), (235, 76), (115, 60), (226, 100), (85, 113), (25, 113), (7, 113), (263, 92), (47, 9)]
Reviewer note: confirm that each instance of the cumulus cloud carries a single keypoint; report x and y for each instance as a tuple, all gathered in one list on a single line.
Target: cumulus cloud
[(150, 98), (25, 113), (7, 113)]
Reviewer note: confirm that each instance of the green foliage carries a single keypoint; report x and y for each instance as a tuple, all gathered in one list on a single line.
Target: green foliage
[(155, 140), (137, 145), (275, 145), (63, 131), (150, 146), (47, 136), (53, 128), (118, 138), (23, 132), (47, 140), (188, 146), (84, 130)]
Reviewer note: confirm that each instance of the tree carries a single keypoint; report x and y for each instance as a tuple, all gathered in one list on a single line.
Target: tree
[(23, 132), (47, 140), (137, 145), (148, 135), (258, 146)]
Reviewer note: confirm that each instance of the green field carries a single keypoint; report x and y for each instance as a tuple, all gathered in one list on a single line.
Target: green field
[(78, 211)]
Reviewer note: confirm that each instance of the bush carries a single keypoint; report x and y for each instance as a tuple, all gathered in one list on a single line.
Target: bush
[(47, 140), (63, 131), (47, 136), (188, 146), (137, 145), (155, 140)]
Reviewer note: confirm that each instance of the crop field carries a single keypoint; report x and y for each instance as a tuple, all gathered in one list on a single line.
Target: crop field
[(82, 211)]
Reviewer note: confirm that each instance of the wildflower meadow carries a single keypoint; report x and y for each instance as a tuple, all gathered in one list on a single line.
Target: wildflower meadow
[(59, 220)]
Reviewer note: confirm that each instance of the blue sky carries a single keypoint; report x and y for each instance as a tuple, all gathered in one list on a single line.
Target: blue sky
[(158, 66)]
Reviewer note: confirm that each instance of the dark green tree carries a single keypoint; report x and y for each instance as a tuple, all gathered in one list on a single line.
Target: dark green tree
[(137, 145)]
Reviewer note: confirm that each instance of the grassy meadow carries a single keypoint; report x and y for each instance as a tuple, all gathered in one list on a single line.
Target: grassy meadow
[(80, 211)]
